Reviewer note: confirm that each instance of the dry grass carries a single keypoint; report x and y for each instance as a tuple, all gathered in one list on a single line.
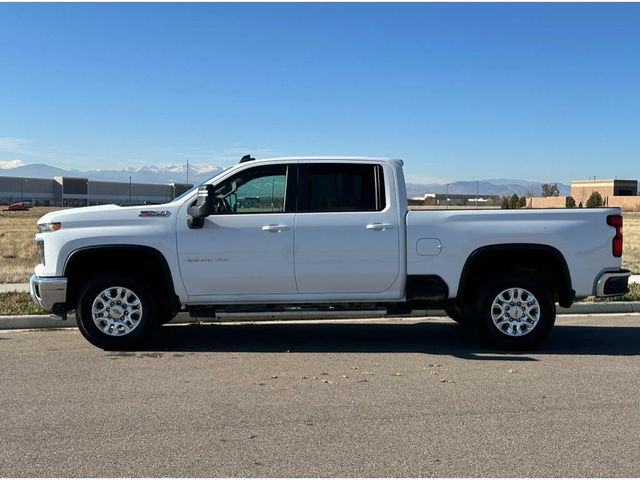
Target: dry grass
[(18, 252), (631, 249), (17, 248), (17, 303)]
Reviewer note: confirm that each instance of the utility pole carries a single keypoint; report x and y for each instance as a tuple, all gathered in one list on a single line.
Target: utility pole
[(477, 192), (129, 189), (447, 195)]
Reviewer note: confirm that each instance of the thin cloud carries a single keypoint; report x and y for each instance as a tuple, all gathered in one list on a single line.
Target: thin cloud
[(7, 164), (13, 144)]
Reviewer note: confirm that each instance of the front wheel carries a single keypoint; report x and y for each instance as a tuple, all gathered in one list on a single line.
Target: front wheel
[(116, 311), (516, 312)]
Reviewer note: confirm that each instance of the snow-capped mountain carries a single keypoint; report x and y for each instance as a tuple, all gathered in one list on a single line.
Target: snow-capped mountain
[(199, 173), (146, 174)]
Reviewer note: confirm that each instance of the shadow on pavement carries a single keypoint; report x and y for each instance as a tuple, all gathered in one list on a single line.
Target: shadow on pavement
[(442, 338)]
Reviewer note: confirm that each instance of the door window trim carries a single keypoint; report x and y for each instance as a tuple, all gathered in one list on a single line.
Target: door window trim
[(302, 200), (290, 196)]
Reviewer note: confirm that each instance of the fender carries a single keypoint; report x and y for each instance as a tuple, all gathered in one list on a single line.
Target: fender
[(565, 291), (158, 257)]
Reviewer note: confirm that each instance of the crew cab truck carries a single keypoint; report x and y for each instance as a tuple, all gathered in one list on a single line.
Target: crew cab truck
[(320, 233)]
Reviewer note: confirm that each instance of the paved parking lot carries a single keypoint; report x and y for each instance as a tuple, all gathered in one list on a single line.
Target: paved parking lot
[(384, 398)]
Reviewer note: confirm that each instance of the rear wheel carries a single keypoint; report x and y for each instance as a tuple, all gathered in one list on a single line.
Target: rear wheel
[(116, 311), (516, 312)]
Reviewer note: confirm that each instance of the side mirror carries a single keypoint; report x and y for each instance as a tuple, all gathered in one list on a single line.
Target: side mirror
[(203, 207)]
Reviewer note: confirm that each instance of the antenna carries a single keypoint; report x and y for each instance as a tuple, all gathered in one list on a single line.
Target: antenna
[(246, 158)]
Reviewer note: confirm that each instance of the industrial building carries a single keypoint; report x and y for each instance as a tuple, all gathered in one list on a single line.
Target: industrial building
[(581, 190), (80, 192), (454, 199)]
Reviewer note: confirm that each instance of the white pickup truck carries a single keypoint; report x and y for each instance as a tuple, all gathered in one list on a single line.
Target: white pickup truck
[(318, 233)]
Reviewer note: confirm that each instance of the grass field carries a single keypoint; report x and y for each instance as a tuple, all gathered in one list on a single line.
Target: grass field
[(17, 248), (18, 252)]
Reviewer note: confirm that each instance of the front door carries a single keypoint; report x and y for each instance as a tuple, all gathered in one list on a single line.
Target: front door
[(246, 248)]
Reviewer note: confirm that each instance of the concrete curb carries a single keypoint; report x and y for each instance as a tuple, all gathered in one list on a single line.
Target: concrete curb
[(11, 322)]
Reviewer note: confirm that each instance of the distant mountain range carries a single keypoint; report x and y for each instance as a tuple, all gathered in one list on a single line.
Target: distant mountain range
[(498, 186), (147, 174), (199, 173)]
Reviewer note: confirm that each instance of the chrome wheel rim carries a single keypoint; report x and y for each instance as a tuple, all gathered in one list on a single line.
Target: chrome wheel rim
[(116, 311), (515, 312)]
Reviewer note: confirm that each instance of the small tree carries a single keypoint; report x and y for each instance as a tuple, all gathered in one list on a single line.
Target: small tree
[(550, 189), (594, 200), (522, 202), (570, 202), (513, 201), (504, 203)]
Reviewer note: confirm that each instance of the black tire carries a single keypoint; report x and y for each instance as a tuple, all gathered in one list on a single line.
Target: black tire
[(459, 314), (534, 332), (146, 322)]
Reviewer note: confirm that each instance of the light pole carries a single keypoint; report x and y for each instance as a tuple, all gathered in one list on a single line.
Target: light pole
[(477, 192), (88, 204), (447, 195), (129, 189), (22, 182)]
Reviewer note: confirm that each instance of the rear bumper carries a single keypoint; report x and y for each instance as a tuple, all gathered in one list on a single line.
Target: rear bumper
[(49, 293), (610, 284)]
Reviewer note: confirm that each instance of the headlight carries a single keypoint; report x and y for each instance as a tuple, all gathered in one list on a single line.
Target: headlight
[(49, 227)]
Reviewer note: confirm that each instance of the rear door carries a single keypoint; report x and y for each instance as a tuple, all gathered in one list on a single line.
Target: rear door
[(346, 235)]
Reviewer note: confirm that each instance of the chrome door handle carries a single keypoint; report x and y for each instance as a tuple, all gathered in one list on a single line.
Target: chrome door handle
[(379, 226), (275, 228)]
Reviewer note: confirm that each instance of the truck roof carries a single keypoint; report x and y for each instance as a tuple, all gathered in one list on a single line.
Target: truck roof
[(332, 158)]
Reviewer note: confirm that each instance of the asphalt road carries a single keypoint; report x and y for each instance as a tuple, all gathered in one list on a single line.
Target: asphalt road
[(384, 398)]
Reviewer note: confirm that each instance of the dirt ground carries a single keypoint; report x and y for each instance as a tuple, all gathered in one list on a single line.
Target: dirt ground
[(18, 252)]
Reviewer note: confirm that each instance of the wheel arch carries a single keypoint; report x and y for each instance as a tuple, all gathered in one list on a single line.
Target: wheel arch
[(150, 262), (543, 258)]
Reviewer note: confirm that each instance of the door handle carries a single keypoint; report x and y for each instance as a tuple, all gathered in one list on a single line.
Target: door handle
[(379, 226), (275, 228)]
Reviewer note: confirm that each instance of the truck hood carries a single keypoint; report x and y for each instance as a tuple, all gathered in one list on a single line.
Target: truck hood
[(109, 215)]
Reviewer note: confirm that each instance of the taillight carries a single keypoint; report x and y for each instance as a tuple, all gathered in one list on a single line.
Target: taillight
[(616, 243)]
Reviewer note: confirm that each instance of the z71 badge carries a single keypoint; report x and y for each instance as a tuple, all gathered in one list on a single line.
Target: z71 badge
[(154, 213)]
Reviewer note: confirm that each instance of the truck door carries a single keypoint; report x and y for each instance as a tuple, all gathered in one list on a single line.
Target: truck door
[(246, 249), (347, 233)]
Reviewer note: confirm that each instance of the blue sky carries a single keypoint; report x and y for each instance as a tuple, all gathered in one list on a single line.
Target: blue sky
[(459, 91)]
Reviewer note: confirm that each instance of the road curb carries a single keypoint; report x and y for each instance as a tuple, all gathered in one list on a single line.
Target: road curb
[(13, 322)]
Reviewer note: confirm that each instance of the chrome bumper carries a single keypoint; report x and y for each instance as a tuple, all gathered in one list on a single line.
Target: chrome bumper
[(47, 292), (610, 284)]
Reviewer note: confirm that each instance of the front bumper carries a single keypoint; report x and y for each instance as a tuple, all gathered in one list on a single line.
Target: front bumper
[(610, 284), (49, 293)]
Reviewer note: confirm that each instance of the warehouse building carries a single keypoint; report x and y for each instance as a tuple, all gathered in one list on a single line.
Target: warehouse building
[(581, 190), (80, 192), (454, 199)]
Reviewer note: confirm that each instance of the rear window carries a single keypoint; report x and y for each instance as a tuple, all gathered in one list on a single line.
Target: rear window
[(339, 187)]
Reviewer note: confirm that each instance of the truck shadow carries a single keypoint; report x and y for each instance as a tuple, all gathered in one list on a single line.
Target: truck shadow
[(441, 338)]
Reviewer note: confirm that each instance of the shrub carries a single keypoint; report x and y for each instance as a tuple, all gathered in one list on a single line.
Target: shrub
[(570, 202), (594, 200)]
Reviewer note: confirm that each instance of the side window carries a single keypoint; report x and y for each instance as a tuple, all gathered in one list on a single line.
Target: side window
[(254, 190), (340, 187)]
